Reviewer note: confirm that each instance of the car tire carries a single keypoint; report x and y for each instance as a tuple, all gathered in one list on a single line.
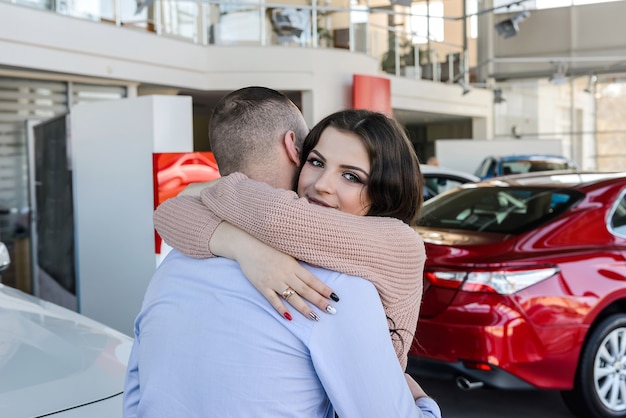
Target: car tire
[(600, 383)]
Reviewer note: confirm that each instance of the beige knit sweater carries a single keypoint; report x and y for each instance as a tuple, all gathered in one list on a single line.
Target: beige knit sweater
[(385, 251)]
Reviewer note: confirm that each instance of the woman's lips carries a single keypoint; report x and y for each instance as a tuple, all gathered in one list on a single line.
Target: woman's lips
[(318, 202)]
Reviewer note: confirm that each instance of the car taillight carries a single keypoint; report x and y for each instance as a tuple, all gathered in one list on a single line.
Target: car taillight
[(502, 281)]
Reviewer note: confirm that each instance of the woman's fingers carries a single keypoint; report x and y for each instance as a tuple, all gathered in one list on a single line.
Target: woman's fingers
[(302, 286), (277, 302), (276, 275), (304, 308), (313, 290), (315, 284)]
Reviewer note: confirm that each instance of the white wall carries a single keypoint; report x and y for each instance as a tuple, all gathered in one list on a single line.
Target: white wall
[(445, 99), (538, 109), (467, 154)]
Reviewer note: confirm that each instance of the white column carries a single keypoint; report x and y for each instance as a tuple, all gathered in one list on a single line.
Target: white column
[(113, 143)]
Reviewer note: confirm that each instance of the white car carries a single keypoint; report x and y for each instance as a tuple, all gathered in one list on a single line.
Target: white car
[(440, 179), (55, 362)]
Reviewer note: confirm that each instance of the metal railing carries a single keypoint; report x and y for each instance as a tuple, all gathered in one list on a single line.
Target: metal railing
[(355, 27)]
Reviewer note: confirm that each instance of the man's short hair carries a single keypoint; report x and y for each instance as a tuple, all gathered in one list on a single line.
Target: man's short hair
[(248, 124)]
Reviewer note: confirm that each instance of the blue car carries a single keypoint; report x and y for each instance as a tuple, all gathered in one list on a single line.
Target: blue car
[(494, 166)]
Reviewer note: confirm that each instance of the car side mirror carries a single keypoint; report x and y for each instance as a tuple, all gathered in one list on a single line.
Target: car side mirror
[(5, 258)]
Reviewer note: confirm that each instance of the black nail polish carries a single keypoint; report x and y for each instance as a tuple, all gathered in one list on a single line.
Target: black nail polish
[(334, 297)]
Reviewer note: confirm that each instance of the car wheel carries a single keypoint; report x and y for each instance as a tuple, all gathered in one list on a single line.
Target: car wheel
[(600, 384)]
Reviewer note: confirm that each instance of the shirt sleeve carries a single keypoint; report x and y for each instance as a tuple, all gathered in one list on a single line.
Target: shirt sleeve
[(131, 385), (385, 251), (186, 224), (428, 407), (356, 363)]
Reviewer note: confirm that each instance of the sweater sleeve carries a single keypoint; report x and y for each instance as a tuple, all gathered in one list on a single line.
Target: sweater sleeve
[(186, 224), (385, 251)]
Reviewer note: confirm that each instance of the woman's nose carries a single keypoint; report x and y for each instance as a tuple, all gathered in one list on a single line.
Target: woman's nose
[(324, 183)]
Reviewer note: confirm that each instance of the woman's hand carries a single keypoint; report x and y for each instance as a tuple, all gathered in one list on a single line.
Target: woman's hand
[(273, 273)]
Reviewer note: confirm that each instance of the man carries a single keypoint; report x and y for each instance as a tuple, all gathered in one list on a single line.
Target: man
[(208, 344)]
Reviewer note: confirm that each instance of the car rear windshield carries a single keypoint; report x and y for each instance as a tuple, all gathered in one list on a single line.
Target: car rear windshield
[(509, 210)]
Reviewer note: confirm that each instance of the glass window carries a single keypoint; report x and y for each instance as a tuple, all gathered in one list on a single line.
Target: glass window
[(510, 210), (487, 168), (471, 8), (436, 184), (427, 21), (358, 12), (43, 4), (618, 219), (180, 19), (240, 22), (529, 166)]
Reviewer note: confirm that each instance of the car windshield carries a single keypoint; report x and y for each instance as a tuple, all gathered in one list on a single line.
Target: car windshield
[(509, 210), (527, 166)]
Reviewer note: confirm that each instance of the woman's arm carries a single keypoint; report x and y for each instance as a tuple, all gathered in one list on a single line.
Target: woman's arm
[(272, 271), (383, 250), (186, 224)]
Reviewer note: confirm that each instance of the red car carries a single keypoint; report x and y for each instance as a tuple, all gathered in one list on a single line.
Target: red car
[(175, 171), (525, 287)]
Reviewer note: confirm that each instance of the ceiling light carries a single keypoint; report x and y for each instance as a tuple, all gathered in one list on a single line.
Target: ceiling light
[(509, 27), (559, 75), (591, 83), (498, 97)]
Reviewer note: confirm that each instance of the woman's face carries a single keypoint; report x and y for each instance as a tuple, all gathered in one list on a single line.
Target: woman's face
[(336, 173)]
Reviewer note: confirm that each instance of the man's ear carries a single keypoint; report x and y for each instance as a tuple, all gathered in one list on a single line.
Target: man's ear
[(290, 146)]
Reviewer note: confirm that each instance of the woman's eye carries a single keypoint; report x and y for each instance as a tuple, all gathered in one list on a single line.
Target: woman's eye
[(315, 162), (352, 177)]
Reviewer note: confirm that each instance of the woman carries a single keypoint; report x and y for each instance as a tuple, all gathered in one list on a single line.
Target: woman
[(376, 174)]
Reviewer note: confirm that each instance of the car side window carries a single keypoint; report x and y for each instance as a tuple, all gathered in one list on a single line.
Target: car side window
[(482, 168), (487, 168), (618, 219), (442, 184), (448, 184)]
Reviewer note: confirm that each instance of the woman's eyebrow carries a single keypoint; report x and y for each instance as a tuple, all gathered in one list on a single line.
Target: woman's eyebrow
[(355, 168), (316, 152), (346, 166)]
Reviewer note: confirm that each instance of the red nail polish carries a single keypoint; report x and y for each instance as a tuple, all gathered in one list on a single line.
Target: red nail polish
[(287, 315)]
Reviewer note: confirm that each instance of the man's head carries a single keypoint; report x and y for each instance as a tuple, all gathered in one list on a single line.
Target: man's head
[(256, 131)]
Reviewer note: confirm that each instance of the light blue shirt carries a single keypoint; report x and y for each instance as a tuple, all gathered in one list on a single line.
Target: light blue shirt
[(208, 344)]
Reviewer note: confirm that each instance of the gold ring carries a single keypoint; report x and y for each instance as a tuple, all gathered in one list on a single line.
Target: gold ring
[(287, 293)]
